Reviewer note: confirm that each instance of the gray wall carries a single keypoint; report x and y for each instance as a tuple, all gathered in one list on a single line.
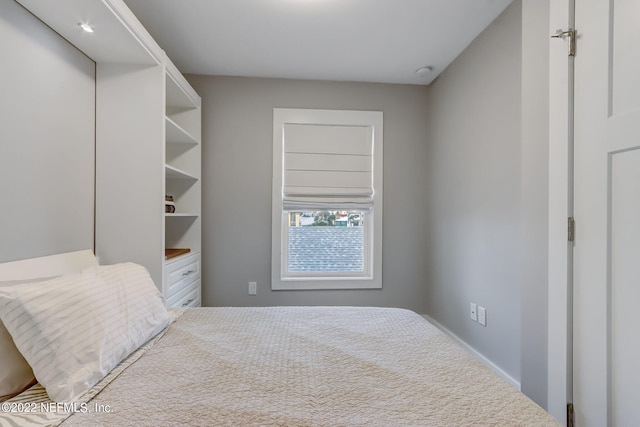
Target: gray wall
[(47, 126), (474, 189), (237, 169), (535, 198)]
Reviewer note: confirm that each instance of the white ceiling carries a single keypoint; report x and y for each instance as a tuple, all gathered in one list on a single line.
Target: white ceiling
[(382, 41)]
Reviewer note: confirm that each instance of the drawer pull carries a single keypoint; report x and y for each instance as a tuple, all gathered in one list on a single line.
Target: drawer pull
[(187, 303), (186, 273)]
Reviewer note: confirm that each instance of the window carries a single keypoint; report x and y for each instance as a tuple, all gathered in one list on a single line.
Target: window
[(325, 243), (327, 199)]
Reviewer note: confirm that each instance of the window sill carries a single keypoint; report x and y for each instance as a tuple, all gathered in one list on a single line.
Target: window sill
[(300, 284)]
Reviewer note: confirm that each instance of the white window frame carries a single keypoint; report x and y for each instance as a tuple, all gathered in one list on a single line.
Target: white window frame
[(372, 276)]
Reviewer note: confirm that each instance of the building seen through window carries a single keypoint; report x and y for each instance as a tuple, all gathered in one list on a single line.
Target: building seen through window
[(326, 241), (326, 218)]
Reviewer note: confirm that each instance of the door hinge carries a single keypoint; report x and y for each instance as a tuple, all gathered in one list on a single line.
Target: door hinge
[(572, 33), (571, 415), (571, 229)]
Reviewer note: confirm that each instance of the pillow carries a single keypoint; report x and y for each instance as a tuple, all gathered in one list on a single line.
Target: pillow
[(15, 373), (73, 330)]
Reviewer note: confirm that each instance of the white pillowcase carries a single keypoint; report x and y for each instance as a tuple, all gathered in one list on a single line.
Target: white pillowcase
[(73, 330), (15, 373)]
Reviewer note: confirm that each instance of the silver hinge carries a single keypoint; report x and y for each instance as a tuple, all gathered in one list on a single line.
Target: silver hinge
[(571, 415), (572, 34), (571, 229)]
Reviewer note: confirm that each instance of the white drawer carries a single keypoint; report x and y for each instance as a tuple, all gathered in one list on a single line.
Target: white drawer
[(188, 297), (179, 273)]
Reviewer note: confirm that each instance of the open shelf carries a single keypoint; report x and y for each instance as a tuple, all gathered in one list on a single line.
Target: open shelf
[(175, 173), (179, 93), (176, 134)]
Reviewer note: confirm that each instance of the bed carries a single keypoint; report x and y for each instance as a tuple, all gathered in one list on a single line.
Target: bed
[(286, 366)]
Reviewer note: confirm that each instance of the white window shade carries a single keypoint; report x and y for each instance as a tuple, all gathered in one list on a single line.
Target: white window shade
[(327, 165)]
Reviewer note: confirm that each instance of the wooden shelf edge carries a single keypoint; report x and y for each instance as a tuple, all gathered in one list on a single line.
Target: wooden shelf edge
[(170, 253)]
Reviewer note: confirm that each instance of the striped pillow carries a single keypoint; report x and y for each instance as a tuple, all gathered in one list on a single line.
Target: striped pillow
[(73, 330), (15, 373)]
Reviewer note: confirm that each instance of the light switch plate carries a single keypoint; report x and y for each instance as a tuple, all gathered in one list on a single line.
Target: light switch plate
[(473, 312), (482, 316)]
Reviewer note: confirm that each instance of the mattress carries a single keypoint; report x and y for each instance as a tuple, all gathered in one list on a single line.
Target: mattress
[(301, 366)]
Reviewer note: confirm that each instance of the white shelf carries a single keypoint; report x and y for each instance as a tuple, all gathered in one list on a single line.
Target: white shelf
[(179, 93), (175, 173), (181, 215), (177, 135)]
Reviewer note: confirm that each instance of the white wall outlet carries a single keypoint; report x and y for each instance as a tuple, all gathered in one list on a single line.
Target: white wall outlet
[(253, 288), (482, 316), (473, 312)]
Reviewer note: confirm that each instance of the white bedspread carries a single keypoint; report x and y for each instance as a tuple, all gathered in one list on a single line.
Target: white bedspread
[(309, 366)]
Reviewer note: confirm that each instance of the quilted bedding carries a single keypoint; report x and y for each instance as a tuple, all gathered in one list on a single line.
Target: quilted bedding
[(307, 366)]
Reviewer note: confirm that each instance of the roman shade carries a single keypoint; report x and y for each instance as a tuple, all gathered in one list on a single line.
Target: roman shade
[(327, 166)]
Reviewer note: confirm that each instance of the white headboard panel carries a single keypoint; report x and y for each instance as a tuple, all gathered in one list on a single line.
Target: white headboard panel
[(47, 266)]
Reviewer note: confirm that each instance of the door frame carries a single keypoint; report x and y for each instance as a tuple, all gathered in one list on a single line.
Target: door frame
[(560, 315)]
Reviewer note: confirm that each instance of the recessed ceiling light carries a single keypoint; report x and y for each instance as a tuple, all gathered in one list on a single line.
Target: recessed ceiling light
[(424, 71), (86, 27)]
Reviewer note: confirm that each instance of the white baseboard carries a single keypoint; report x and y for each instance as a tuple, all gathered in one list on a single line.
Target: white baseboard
[(475, 353)]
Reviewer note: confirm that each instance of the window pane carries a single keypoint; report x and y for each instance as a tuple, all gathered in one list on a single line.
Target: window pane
[(326, 241)]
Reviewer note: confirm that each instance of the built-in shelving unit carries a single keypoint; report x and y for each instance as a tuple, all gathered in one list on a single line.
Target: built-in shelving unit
[(148, 143), (182, 161)]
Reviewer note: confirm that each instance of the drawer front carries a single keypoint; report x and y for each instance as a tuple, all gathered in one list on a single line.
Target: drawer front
[(180, 273), (188, 297)]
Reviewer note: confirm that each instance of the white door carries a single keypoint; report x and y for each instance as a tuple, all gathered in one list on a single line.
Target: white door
[(606, 361)]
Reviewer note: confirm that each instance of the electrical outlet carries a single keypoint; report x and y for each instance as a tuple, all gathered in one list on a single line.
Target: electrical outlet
[(482, 316), (252, 288), (473, 312)]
